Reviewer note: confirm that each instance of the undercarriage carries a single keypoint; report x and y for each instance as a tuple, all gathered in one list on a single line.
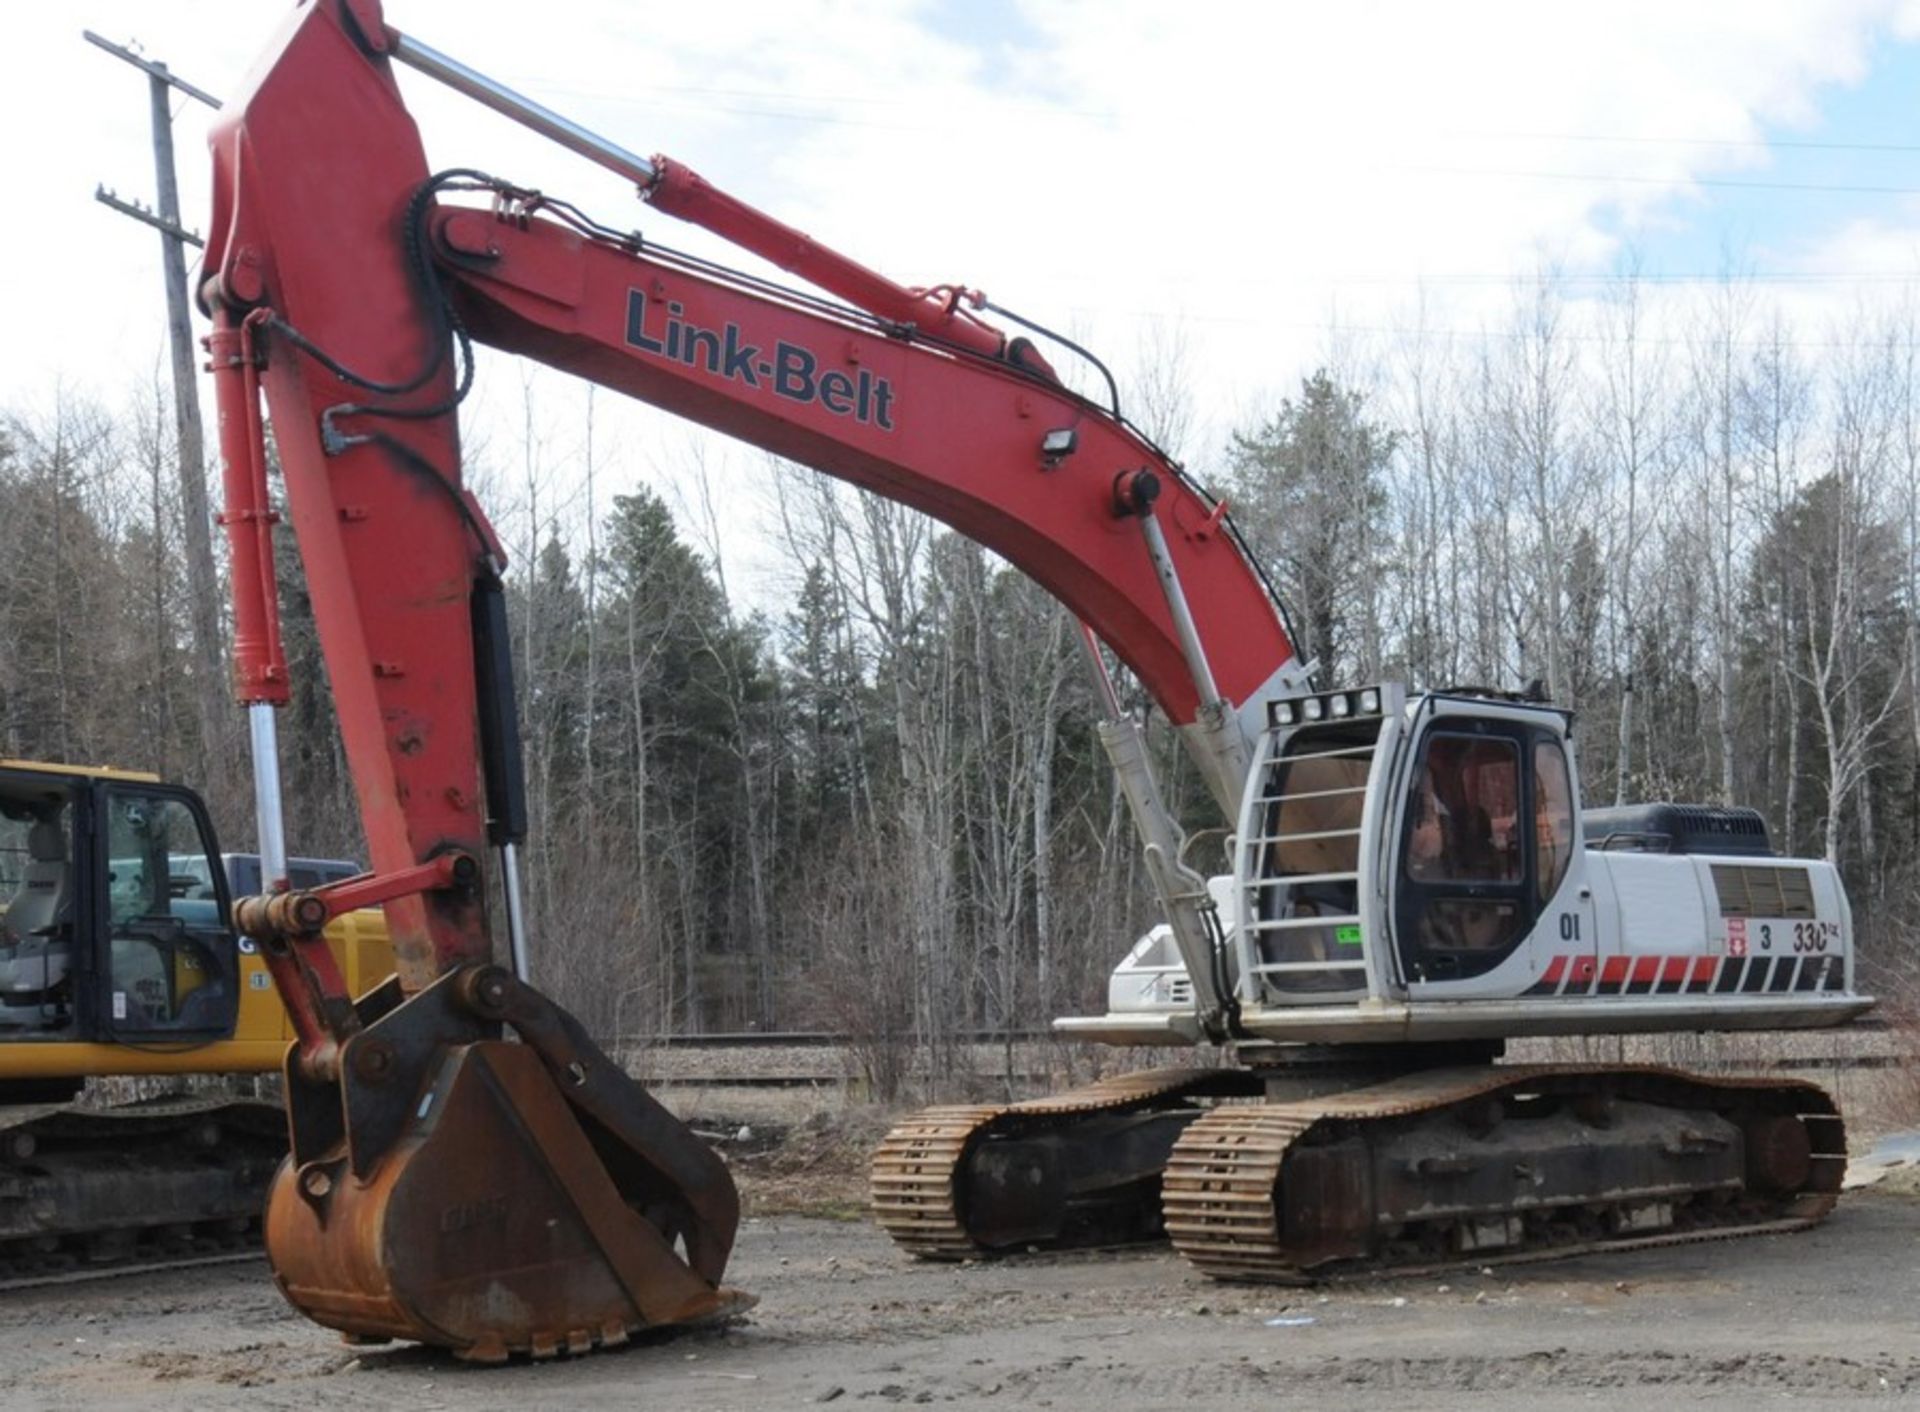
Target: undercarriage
[(1075, 1169), (1313, 1170), (163, 1182)]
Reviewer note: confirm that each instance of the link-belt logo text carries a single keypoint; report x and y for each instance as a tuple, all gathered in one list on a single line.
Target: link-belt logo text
[(788, 370)]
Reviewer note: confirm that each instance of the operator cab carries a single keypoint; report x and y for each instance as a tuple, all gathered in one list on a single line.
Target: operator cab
[(1418, 868), (1482, 824), (113, 921)]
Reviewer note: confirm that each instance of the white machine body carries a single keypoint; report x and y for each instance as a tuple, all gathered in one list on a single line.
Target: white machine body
[(1419, 868)]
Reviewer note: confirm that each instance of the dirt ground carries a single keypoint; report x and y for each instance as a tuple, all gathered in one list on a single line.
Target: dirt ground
[(1823, 1317)]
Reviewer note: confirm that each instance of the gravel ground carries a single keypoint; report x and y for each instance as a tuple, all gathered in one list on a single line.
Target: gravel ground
[(1824, 1317)]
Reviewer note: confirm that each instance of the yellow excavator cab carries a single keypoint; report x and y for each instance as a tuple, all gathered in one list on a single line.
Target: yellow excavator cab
[(118, 958), (117, 949)]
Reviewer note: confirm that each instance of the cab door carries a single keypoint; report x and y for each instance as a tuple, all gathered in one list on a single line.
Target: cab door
[(1488, 851), (1566, 948), (166, 963)]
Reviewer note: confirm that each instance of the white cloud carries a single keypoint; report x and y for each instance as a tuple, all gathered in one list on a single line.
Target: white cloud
[(1240, 169)]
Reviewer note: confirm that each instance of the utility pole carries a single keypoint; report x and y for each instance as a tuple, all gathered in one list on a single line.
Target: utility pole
[(214, 705)]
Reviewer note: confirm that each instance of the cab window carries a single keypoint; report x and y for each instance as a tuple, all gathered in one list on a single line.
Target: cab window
[(166, 968), (1316, 822), (1463, 901), (38, 894), (36, 871), (1552, 816), (1311, 861), (1465, 810)]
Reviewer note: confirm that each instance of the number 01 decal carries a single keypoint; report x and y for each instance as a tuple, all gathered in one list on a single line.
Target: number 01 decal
[(1569, 926)]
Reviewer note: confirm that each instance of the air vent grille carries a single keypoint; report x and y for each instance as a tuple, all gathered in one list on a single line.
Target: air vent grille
[(1763, 892)]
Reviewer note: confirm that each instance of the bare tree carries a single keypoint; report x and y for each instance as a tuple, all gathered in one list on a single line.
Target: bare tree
[(1537, 425), (1631, 426), (1721, 480)]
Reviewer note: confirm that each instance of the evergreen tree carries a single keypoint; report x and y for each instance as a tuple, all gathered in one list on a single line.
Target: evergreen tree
[(1308, 486)]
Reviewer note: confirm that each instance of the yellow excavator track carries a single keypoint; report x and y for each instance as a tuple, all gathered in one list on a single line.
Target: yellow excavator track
[(97, 1190)]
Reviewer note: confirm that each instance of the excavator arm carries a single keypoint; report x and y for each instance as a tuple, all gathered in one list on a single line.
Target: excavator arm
[(344, 281)]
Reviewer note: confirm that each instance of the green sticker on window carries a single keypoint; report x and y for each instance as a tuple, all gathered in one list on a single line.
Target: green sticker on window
[(1349, 935)]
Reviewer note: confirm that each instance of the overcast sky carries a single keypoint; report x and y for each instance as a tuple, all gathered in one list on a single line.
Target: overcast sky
[(1257, 176)]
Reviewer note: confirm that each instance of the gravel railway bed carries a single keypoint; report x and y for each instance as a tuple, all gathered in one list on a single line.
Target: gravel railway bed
[(1818, 1318), (830, 1061)]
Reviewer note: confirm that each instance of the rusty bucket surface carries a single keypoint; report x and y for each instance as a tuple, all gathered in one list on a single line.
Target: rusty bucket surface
[(523, 1198)]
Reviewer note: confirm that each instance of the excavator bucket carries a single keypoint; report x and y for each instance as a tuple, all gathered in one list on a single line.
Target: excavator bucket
[(491, 1197)]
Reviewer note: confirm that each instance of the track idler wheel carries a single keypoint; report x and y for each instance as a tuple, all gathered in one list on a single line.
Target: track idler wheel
[(493, 1198), (1779, 1154)]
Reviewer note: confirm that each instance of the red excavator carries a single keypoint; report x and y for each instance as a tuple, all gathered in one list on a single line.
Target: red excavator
[(1412, 881)]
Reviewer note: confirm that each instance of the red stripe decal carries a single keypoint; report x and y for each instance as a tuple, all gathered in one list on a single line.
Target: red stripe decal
[(1556, 968), (1703, 969), (1674, 970), (1614, 971), (1646, 968)]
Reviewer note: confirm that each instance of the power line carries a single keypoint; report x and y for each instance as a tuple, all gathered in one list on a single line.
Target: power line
[(1725, 183), (1525, 276), (160, 73), (669, 100), (752, 99), (1401, 331), (1757, 143), (1741, 277), (686, 95)]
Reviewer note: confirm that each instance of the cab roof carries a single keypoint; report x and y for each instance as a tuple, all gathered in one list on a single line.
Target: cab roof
[(95, 772)]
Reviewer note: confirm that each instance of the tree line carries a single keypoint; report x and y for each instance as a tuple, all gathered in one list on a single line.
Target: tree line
[(879, 806)]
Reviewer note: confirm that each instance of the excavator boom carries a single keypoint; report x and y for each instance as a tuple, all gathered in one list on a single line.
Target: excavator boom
[(435, 1165)]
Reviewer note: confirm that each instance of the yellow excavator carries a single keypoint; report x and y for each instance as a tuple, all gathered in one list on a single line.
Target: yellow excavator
[(118, 958)]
